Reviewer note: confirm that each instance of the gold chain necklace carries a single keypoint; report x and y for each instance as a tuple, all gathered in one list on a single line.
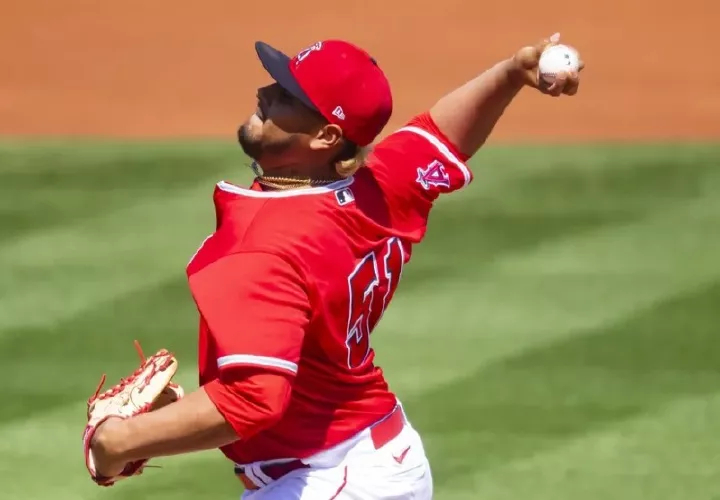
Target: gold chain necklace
[(289, 183)]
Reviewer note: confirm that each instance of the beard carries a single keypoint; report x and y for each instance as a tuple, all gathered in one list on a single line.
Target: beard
[(259, 147), (256, 145), (251, 146)]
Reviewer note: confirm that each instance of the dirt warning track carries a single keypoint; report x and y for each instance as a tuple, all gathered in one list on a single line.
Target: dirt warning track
[(167, 69)]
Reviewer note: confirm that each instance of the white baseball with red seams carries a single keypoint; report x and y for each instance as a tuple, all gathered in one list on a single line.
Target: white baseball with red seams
[(556, 59)]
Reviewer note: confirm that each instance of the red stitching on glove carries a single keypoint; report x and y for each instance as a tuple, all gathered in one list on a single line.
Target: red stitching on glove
[(115, 390), (136, 467)]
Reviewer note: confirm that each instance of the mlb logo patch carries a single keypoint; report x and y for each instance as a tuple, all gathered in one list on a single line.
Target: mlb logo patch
[(344, 196), (433, 175)]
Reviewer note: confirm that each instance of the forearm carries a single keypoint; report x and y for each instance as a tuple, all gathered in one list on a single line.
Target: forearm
[(191, 424), (215, 415), (468, 115)]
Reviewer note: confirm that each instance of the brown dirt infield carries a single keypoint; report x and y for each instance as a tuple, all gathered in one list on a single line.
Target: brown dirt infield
[(169, 69)]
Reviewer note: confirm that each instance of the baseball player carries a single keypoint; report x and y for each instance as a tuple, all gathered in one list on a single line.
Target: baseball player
[(297, 274)]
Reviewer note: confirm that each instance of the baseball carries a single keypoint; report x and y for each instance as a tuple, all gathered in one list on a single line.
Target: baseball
[(556, 59)]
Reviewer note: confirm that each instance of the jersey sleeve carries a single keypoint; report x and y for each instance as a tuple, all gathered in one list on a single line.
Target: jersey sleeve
[(252, 403), (256, 308), (418, 158)]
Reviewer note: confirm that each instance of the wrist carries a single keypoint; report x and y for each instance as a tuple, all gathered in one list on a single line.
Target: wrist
[(515, 73)]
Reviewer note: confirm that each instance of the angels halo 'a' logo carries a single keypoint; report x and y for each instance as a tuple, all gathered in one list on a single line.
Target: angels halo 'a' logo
[(306, 52), (433, 175)]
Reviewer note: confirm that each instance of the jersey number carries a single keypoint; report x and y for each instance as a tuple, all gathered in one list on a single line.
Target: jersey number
[(371, 285)]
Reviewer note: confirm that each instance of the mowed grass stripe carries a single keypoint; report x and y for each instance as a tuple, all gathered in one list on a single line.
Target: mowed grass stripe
[(59, 273), (67, 358), (519, 201), (665, 455), (602, 172), (25, 443), (558, 289), (47, 186), (542, 397)]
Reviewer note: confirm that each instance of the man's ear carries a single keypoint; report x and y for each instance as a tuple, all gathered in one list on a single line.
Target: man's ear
[(327, 137)]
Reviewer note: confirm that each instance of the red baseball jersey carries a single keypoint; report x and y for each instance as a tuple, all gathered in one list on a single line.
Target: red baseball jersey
[(296, 281)]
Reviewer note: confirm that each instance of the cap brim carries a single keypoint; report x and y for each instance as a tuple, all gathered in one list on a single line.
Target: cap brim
[(277, 65)]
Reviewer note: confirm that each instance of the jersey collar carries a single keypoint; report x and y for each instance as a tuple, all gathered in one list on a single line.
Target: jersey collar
[(251, 193)]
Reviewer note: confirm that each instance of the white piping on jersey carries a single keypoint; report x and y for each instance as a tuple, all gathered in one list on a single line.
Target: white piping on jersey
[(231, 188), (251, 359), (444, 150)]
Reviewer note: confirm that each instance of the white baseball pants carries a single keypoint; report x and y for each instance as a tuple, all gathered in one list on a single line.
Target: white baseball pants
[(355, 470)]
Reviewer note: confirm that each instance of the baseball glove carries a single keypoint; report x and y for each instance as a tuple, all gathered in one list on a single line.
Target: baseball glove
[(148, 388)]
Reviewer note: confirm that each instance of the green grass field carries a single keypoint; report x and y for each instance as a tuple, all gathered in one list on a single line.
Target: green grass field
[(554, 338)]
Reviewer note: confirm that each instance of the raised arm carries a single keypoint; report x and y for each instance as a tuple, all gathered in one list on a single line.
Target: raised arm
[(468, 114)]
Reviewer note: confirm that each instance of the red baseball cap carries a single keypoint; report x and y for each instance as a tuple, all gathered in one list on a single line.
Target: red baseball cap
[(339, 80)]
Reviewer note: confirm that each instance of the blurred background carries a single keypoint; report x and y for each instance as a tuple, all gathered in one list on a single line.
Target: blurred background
[(553, 338)]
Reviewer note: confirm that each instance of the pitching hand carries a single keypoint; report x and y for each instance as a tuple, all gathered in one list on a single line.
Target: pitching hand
[(527, 60)]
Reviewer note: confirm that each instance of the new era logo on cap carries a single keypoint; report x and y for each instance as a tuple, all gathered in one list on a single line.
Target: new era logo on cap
[(338, 79), (339, 113)]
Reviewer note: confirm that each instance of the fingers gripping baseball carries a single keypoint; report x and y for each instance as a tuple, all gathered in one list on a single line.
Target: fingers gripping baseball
[(551, 67)]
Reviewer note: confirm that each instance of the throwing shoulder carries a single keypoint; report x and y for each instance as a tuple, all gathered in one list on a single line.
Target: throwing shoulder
[(418, 162)]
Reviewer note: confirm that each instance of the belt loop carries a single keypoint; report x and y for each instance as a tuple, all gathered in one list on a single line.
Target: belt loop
[(250, 474), (257, 473)]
